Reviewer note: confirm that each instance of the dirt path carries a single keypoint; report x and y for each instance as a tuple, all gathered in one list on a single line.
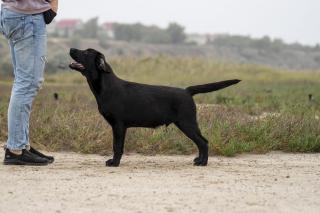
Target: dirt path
[(274, 182)]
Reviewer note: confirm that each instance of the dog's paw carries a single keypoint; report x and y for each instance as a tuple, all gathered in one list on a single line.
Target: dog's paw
[(196, 160), (111, 163), (200, 162)]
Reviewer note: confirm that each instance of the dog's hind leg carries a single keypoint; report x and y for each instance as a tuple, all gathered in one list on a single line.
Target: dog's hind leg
[(192, 131), (119, 132), (198, 159)]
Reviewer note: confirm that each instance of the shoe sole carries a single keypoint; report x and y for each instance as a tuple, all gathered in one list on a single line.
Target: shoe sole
[(22, 163)]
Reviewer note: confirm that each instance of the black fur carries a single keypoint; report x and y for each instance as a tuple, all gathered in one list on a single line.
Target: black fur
[(127, 104)]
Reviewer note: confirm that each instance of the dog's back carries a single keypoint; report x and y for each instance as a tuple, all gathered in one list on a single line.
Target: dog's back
[(141, 105)]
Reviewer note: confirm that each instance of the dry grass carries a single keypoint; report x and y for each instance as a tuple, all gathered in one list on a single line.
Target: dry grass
[(234, 120)]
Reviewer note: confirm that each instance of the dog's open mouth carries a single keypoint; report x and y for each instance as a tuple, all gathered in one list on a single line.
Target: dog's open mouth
[(76, 66)]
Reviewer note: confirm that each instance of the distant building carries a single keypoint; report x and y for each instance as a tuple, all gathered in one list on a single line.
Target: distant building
[(198, 39), (202, 39), (108, 29), (67, 27)]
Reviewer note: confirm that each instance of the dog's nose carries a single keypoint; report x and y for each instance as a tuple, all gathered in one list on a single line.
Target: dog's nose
[(72, 50)]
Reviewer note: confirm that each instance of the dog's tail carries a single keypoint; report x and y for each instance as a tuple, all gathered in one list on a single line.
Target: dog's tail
[(193, 90)]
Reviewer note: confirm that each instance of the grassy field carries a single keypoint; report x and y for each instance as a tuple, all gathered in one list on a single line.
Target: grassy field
[(268, 110)]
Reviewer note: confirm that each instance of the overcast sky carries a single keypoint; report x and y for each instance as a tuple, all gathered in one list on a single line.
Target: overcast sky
[(291, 20)]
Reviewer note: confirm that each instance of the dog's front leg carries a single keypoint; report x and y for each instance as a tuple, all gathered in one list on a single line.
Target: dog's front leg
[(119, 133)]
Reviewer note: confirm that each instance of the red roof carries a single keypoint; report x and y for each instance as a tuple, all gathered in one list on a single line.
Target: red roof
[(68, 23)]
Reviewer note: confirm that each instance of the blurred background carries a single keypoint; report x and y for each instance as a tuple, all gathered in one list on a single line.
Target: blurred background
[(273, 46), (281, 34)]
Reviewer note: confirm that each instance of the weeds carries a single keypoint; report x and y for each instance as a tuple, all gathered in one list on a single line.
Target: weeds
[(230, 119)]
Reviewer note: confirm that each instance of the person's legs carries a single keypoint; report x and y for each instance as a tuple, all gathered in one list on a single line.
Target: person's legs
[(27, 40)]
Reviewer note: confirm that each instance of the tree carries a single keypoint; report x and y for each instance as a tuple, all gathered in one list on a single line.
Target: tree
[(176, 33), (90, 29), (155, 35), (263, 43), (128, 32)]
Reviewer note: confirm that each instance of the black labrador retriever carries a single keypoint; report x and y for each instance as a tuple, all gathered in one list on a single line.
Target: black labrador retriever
[(127, 104)]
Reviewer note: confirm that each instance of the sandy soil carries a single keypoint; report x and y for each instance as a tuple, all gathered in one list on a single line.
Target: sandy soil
[(275, 182)]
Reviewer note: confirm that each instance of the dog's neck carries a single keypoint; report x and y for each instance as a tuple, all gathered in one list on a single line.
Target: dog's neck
[(104, 83)]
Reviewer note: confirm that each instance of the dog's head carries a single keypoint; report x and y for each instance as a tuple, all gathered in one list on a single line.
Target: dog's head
[(91, 63)]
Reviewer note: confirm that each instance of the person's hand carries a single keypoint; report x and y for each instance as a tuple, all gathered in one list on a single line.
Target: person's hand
[(54, 5)]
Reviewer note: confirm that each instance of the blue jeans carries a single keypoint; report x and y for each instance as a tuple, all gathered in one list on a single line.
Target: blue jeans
[(27, 38)]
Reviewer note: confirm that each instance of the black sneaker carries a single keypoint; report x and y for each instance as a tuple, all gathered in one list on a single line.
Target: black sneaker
[(36, 152), (26, 158)]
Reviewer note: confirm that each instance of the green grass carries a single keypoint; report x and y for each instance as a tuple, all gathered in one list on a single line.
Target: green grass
[(231, 123)]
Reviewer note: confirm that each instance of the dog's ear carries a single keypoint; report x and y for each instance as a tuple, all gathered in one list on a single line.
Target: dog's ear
[(101, 63)]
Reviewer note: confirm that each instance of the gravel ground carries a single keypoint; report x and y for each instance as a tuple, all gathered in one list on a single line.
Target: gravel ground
[(275, 182)]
